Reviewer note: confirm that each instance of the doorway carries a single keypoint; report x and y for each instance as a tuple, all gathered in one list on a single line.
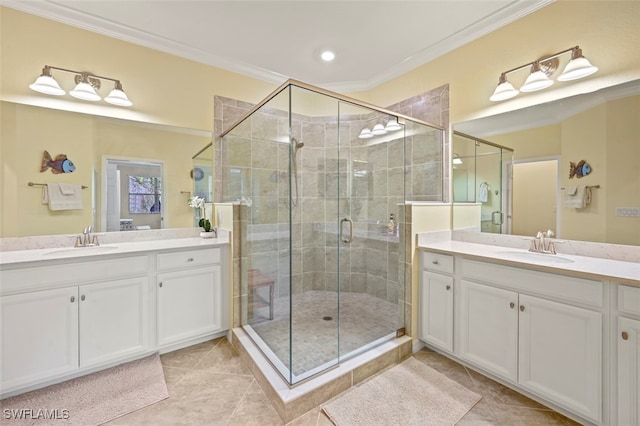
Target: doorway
[(536, 196), (132, 194)]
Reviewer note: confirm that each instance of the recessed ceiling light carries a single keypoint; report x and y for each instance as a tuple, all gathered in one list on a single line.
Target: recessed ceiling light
[(328, 56)]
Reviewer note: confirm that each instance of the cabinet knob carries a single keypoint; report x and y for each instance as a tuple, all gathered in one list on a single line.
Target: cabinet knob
[(160, 285), (448, 287), (82, 297), (521, 308), (73, 299), (190, 259), (435, 262), (625, 335), (512, 305)]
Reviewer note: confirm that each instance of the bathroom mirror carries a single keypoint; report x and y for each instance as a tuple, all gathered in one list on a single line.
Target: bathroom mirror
[(88, 141), (603, 129)]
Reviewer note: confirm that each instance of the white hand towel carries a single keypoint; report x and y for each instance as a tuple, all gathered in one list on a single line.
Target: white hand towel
[(483, 193), (576, 197), (68, 189), (57, 200)]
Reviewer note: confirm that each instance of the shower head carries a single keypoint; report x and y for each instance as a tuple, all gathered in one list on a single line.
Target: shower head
[(296, 145)]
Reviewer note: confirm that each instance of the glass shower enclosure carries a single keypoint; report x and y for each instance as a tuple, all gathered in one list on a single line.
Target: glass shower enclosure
[(320, 179)]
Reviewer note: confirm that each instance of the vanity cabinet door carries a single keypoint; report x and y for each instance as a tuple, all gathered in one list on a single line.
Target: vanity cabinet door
[(114, 320), (436, 310), (489, 328), (189, 304), (628, 371), (560, 349), (39, 336)]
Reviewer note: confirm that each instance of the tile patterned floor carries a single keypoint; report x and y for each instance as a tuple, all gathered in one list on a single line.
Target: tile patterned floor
[(209, 385), (363, 318)]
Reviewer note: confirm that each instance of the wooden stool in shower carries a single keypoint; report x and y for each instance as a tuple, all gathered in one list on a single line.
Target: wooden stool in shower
[(257, 280)]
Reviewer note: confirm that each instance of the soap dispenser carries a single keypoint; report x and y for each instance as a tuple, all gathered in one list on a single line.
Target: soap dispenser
[(391, 226)]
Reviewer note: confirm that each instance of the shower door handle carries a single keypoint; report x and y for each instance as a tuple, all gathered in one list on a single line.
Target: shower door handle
[(497, 214), (348, 238)]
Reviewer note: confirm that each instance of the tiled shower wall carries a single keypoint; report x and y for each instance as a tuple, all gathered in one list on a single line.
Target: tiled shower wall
[(376, 266)]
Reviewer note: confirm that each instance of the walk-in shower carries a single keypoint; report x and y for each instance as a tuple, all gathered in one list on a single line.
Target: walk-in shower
[(322, 266)]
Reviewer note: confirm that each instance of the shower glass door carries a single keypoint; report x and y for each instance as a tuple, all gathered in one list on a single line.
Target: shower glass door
[(370, 175), (314, 188)]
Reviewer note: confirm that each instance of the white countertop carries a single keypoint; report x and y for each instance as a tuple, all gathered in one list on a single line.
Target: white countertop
[(583, 266), (8, 258)]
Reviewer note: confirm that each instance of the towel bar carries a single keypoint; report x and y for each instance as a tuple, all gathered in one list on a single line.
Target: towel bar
[(588, 186), (44, 184)]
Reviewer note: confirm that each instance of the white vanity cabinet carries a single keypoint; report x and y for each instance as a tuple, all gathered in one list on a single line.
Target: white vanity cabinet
[(628, 349), (552, 349), (538, 330), (488, 328), (93, 317), (191, 300), (39, 336), (62, 318), (560, 354), (114, 320), (436, 300)]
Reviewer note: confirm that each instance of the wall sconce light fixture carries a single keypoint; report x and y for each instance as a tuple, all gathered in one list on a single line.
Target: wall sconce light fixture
[(86, 86), (541, 70), (391, 126)]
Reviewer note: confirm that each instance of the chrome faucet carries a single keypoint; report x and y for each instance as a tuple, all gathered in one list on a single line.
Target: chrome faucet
[(544, 243), (86, 240)]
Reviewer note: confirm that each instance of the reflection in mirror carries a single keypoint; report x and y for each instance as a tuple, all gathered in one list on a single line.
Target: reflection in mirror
[(27, 131), (202, 173), (481, 176), (133, 194), (602, 128)]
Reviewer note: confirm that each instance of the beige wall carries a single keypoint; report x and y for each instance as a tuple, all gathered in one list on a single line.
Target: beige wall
[(534, 197), (26, 133), (623, 154)]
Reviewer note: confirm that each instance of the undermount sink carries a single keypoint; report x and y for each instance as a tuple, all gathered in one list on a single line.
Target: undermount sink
[(75, 251), (535, 257)]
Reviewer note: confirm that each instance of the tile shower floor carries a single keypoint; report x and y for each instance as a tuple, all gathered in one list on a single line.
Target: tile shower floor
[(363, 319), (209, 385)]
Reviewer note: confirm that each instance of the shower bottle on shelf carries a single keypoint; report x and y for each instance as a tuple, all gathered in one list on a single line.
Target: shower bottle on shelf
[(391, 226)]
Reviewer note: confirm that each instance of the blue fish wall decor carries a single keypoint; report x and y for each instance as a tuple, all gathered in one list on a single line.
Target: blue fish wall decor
[(579, 170), (60, 164)]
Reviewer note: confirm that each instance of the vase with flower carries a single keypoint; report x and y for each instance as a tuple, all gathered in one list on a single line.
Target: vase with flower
[(199, 204)]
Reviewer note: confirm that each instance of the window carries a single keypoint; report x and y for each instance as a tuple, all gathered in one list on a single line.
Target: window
[(144, 194)]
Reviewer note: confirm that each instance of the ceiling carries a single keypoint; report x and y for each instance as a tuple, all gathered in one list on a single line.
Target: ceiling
[(374, 41)]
